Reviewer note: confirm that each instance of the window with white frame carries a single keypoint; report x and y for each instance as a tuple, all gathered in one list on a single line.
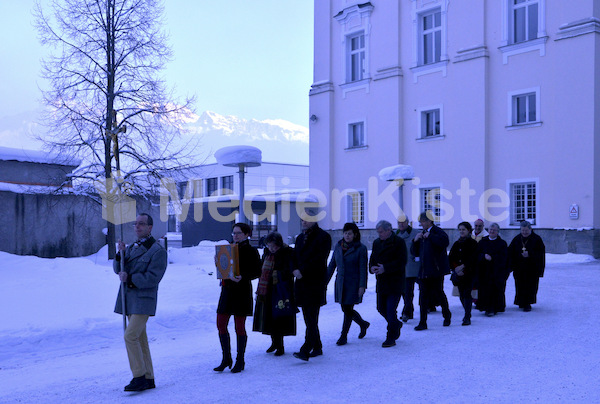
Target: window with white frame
[(524, 107), (522, 202), (430, 123), (227, 185), (431, 201), (355, 64), (430, 37), (356, 135), (523, 21), (211, 186), (356, 207)]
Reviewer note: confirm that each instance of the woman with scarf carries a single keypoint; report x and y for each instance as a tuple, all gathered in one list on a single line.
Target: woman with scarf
[(275, 312), (462, 259), (236, 299), (350, 259)]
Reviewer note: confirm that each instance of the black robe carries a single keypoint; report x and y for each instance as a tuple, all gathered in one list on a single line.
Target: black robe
[(527, 271), (492, 274)]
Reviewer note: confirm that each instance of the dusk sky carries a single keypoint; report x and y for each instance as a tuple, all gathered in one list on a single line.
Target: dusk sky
[(251, 59)]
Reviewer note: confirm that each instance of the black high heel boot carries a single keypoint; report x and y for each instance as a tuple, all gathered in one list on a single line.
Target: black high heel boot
[(226, 347), (241, 349)]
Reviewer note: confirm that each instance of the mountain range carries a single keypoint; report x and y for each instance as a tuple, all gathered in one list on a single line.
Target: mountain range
[(279, 140)]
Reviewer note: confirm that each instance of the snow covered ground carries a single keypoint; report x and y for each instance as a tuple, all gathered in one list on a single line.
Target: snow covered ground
[(60, 342)]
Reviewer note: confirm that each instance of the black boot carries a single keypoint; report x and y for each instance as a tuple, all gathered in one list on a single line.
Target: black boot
[(345, 328), (241, 349), (226, 347), (278, 341), (273, 346)]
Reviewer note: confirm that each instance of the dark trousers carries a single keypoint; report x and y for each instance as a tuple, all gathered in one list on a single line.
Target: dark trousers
[(466, 299), (431, 290), (349, 315), (312, 338), (408, 296), (387, 306)]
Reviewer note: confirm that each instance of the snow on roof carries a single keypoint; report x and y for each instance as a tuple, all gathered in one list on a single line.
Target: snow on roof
[(232, 156), (34, 156), (397, 172)]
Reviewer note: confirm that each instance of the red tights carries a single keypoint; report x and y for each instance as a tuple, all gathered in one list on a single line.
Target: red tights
[(223, 321)]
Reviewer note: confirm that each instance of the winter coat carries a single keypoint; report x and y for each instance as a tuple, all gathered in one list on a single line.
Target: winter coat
[(391, 253), (145, 265), (412, 266), (283, 266), (312, 250), (351, 272), (464, 252), (236, 297), (432, 253)]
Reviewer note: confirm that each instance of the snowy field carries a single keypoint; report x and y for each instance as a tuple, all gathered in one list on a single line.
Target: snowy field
[(61, 343)]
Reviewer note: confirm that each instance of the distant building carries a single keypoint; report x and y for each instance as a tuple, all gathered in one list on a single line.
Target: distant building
[(273, 189), (493, 103)]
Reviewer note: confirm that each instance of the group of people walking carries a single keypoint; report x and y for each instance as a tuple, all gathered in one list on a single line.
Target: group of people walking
[(479, 263)]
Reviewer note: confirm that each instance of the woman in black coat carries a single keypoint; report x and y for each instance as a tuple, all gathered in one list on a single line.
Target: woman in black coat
[(350, 259), (492, 272), (275, 292), (462, 262), (236, 299)]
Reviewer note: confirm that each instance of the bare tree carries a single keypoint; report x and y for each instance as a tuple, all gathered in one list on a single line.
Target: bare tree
[(106, 101)]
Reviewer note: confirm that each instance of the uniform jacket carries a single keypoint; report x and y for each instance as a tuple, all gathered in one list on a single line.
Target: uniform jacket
[(412, 266), (312, 250), (432, 252), (391, 253), (236, 297), (145, 265), (351, 272)]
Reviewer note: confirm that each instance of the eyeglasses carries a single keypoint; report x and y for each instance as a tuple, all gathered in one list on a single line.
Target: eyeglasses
[(140, 224)]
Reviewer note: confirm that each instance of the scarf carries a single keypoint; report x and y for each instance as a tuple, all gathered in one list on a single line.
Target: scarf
[(345, 246), (266, 275)]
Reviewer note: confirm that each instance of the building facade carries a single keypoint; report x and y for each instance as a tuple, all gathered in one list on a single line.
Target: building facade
[(495, 104)]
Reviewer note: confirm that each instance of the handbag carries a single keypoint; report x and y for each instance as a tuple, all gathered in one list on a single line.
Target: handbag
[(282, 304), (455, 291), (474, 294)]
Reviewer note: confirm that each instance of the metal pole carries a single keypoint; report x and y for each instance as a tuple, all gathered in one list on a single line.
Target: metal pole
[(123, 286), (242, 218)]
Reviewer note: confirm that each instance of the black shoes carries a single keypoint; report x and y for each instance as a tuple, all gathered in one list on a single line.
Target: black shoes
[(490, 314), (150, 384), (527, 308), (301, 355), (139, 384), (389, 342), (280, 351), (343, 340), (446, 322), (405, 318), (363, 329), (466, 321), (239, 366), (272, 348), (315, 352), (225, 363), (421, 327)]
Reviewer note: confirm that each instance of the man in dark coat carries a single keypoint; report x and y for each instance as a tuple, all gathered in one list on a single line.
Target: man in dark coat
[(388, 262), (527, 260), (430, 246), (145, 265), (312, 250)]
